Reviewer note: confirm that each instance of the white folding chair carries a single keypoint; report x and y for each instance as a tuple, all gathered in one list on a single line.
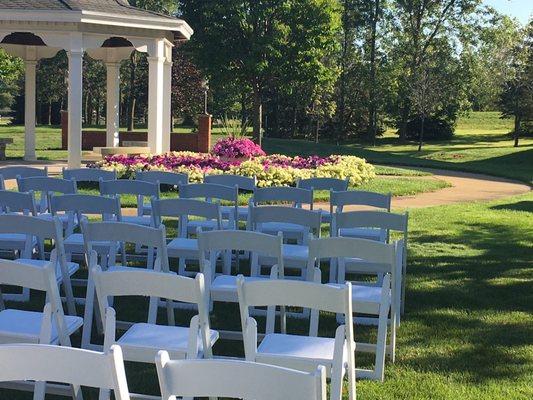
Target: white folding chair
[(375, 300), (386, 222), (13, 172), (237, 379), (89, 174), (286, 196), (298, 351), (243, 183), (323, 183), (184, 247), (50, 326), (142, 341), (139, 189), (67, 365), (112, 232), (295, 255), (214, 193), (32, 228), (2, 184), (364, 200), (161, 178), (79, 206), (46, 186), (24, 204), (223, 287)]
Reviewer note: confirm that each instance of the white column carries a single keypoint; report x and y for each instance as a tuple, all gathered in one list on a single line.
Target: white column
[(29, 110), (155, 97), (75, 87), (167, 109), (113, 102)]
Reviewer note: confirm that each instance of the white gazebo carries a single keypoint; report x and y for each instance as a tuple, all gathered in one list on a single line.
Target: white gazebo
[(107, 30)]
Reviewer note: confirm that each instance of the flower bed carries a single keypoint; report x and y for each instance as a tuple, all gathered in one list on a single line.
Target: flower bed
[(273, 170)]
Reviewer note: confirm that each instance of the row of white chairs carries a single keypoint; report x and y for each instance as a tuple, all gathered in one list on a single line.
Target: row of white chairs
[(142, 341), (185, 378)]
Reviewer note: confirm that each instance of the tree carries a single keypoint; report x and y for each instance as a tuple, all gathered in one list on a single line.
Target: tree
[(424, 95), (187, 91), (420, 23), (256, 43), (517, 96), (52, 84), (11, 69)]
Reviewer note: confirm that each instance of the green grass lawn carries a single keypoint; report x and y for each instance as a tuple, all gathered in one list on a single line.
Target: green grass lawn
[(468, 328), (481, 144)]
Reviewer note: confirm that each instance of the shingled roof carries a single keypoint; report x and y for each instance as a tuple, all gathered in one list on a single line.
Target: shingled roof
[(83, 9), (104, 6)]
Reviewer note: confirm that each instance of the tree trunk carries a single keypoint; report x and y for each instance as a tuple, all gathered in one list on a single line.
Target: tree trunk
[(258, 116), (421, 139), (372, 112), (516, 133), (131, 94), (49, 112), (317, 130)]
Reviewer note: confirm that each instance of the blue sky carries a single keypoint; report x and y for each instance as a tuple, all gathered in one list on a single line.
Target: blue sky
[(521, 9)]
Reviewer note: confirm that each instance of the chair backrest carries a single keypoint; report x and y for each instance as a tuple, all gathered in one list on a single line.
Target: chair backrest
[(255, 242), (285, 292), (47, 186), (125, 186), (141, 282), (89, 174), (243, 182), (113, 231), (23, 172), (283, 194), (237, 379), (323, 183), (310, 220), (382, 256), (162, 177), (86, 204), (34, 226), (183, 209), (20, 274), (209, 191), (22, 202), (40, 362), (359, 197), (370, 219)]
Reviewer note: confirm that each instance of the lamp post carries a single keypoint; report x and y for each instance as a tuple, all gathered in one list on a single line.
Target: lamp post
[(205, 86)]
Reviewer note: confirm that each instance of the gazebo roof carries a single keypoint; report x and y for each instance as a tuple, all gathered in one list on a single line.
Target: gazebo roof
[(101, 12)]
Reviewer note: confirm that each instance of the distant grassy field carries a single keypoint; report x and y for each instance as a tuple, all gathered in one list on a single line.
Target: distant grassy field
[(481, 144)]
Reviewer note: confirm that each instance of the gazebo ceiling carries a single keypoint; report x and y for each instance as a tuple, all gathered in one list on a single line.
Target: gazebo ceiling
[(87, 14)]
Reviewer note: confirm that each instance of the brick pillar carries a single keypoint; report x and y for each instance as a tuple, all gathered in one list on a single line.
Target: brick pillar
[(204, 133), (64, 130)]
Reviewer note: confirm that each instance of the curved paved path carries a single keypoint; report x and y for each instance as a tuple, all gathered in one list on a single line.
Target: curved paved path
[(464, 187)]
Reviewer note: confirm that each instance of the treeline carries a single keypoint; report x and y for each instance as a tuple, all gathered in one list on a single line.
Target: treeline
[(313, 68)]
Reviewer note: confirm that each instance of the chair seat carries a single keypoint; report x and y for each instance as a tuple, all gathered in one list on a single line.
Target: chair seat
[(64, 218), (183, 247), (14, 241), (366, 299), (25, 326), (301, 349), (138, 220), (364, 233), (193, 225), (290, 231), (142, 341), (224, 287), (242, 211), (74, 244), (71, 267)]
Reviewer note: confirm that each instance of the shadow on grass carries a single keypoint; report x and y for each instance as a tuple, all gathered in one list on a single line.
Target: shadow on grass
[(526, 206)]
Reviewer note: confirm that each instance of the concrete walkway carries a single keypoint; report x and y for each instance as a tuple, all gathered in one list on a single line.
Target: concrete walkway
[(465, 186)]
